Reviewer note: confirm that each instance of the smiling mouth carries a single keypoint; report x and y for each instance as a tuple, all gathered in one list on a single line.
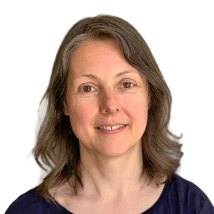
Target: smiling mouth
[(111, 127)]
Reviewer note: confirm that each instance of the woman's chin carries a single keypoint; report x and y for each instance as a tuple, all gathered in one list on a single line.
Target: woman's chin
[(117, 151)]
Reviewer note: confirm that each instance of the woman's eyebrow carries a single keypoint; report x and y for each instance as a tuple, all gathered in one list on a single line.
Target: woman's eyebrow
[(126, 72), (89, 76), (117, 75)]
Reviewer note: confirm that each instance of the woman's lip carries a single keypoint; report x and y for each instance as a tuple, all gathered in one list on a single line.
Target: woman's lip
[(111, 129)]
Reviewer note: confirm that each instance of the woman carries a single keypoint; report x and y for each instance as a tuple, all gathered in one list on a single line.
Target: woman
[(104, 139)]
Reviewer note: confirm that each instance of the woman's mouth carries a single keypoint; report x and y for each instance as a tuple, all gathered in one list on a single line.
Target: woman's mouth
[(111, 128)]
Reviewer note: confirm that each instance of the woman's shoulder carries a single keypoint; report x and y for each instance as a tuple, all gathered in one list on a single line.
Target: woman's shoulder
[(182, 196), (29, 202), (185, 195), (184, 187)]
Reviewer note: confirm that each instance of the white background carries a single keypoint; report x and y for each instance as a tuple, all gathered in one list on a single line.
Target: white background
[(181, 37)]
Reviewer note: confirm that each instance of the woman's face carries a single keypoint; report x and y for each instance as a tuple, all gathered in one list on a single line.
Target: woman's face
[(106, 100)]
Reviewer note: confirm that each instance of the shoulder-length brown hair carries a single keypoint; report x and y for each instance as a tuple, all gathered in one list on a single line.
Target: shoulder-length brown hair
[(57, 148)]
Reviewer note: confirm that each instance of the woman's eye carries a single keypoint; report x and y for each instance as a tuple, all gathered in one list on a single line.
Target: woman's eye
[(87, 88), (128, 85)]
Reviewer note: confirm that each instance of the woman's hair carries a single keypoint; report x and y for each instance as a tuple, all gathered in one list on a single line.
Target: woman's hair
[(57, 148)]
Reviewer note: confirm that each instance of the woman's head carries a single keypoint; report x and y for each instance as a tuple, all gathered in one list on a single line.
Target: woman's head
[(58, 147), (106, 100)]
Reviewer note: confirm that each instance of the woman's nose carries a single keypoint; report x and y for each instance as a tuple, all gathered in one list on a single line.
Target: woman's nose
[(109, 103)]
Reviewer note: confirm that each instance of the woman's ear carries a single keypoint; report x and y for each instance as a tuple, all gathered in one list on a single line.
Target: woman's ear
[(65, 108), (148, 95), (149, 100)]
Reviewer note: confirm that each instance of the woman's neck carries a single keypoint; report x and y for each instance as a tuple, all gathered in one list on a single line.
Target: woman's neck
[(110, 184), (115, 175)]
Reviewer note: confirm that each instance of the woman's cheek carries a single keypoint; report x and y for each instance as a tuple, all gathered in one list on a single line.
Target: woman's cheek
[(83, 109)]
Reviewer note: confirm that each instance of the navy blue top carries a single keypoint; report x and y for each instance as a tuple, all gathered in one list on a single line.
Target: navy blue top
[(178, 196)]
